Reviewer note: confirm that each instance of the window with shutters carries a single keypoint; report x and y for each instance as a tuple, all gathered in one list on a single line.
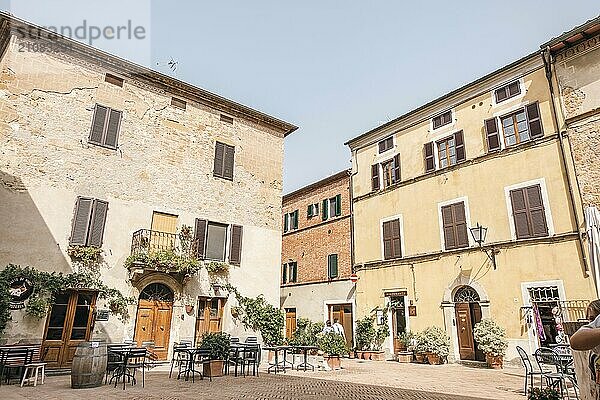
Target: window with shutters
[(224, 161), (218, 242), (389, 174), (313, 210), (391, 239), (106, 124), (290, 221), (507, 91), (333, 207), (454, 226), (332, 266), (448, 152), (88, 222), (386, 144), (517, 127), (289, 272), (528, 212), (441, 120)]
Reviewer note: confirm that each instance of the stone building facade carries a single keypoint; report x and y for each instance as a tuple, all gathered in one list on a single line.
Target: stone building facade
[(316, 254), (173, 156)]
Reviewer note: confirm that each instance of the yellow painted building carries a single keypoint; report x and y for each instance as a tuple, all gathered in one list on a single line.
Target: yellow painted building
[(488, 153)]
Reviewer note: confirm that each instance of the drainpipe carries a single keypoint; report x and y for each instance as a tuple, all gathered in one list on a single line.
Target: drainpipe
[(547, 59), (352, 258)]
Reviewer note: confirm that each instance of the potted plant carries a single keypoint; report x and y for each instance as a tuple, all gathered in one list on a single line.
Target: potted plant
[(334, 346), (436, 344), (218, 345), (544, 394), (420, 347), (405, 340), (491, 339), (365, 333)]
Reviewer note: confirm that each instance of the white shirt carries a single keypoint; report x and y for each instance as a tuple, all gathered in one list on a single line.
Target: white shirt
[(327, 329), (339, 329)]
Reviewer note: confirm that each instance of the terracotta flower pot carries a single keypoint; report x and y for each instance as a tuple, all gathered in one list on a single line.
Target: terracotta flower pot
[(378, 356), (405, 356), (334, 362), (420, 358), (434, 359), (213, 368), (495, 362)]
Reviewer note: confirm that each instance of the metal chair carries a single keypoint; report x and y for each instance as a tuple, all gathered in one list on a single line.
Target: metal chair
[(132, 361), (530, 371), (251, 357), (11, 359), (179, 357), (251, 340), (554, 373)]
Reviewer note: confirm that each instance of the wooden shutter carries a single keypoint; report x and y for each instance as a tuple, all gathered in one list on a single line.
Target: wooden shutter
[(81, 221), (325, 212), (382, 146), (200, 238), (513, 89), (219, 159), (492, 135), (396, 244), (228, 163), (375, 177), (519, 209), (397, 168), (534, 120), (98, 123), (460, 224), (235, 246), (309, 211), (286, 224), (332, 266), (429, 157), (98, 221), (295, 219), (112, 130), (501, 94), (537, 216), (294, 270), (391, 239), (338, 205), (460, 146), (448, 227), (284, 273)]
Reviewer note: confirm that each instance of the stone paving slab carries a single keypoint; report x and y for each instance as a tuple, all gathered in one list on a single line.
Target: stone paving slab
[(267, 386)]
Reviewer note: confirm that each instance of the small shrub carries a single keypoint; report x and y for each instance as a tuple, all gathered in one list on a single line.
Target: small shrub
[(434, 340), (544, 394), (490, 337), (306, 333), (217, 343), (332, 344)]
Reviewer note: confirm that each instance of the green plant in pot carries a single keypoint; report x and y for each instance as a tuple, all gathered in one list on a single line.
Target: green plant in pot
[(544, 394), (491, 340), (218, 345), (334, 346), (306, 333), (436, 344), (365, 334), (405, 340), (420, 347)]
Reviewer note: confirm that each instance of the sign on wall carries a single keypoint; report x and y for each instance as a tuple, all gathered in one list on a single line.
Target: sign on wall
[(102, 315), (20, 290)]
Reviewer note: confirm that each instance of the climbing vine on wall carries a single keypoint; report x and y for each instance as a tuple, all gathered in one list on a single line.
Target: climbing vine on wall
[(46, 285)]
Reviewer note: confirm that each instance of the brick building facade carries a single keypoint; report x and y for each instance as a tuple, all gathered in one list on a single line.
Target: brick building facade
[(316, 253)]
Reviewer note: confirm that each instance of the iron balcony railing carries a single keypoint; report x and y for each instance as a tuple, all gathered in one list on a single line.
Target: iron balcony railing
[(147, 241)]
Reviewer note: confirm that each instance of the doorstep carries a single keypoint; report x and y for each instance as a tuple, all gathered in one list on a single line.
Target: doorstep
[(472, 364)]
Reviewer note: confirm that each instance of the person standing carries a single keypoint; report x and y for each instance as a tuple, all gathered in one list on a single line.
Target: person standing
[(327, 328), (338, 328)]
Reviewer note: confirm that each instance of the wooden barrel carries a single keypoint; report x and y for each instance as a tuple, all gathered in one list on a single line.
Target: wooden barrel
[(89, 365)]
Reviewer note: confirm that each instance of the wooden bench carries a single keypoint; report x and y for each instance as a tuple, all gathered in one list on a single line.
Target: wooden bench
[(16, 357)]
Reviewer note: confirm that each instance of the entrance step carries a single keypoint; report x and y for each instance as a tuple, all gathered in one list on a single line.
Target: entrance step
[(472, 364)]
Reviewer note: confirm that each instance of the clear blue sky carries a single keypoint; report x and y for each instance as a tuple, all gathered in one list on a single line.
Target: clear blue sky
[(334, 68)]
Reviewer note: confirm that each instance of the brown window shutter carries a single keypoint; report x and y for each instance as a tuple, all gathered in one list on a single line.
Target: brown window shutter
[(382, 146), (514, 89), (397, 168), (534, 120), (501, 94), (98, 123), (492, 135), (219, 159), (375, 177), (460, 224), (229, 156), (448, 227), (396, 242), (460, 146), (387, 240), (519, 209), (112, 130), (429, 157), (235, 249), (200, 238), (98, 221), (537, 216), (81, 221)]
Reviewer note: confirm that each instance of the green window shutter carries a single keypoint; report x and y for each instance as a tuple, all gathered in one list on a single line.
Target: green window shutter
[(285, 223), (332, 266), (295, 213), (325, 209), (284, 274), (338, 205), (309, 211), (294, 267)]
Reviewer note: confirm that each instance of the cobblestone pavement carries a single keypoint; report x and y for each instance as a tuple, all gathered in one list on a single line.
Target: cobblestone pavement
[(456, 379), (281, 386)]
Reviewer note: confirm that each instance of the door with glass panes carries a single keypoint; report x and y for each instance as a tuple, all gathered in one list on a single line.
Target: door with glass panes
[(209, 316), (68, 324)]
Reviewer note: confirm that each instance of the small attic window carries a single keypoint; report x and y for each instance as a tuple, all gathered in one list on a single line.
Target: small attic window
[(227, 119), (113, 79), (175, 102)]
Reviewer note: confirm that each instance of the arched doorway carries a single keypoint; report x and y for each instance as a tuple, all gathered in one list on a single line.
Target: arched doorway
[(153, 321), (468, 313)]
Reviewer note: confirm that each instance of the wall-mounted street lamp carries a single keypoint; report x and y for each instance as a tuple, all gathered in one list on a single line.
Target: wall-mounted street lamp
[(479, 232)]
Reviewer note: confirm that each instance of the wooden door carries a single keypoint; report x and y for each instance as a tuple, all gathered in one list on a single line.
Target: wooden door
[(68, 324), (209, 316), (153, 324), (343, 312), (290, 322), (464, 326)]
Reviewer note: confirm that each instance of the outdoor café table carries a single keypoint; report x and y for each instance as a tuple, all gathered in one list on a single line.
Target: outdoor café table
[(305, 350), (278, 365), (121, 352), (193, 353), (241, 348)]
